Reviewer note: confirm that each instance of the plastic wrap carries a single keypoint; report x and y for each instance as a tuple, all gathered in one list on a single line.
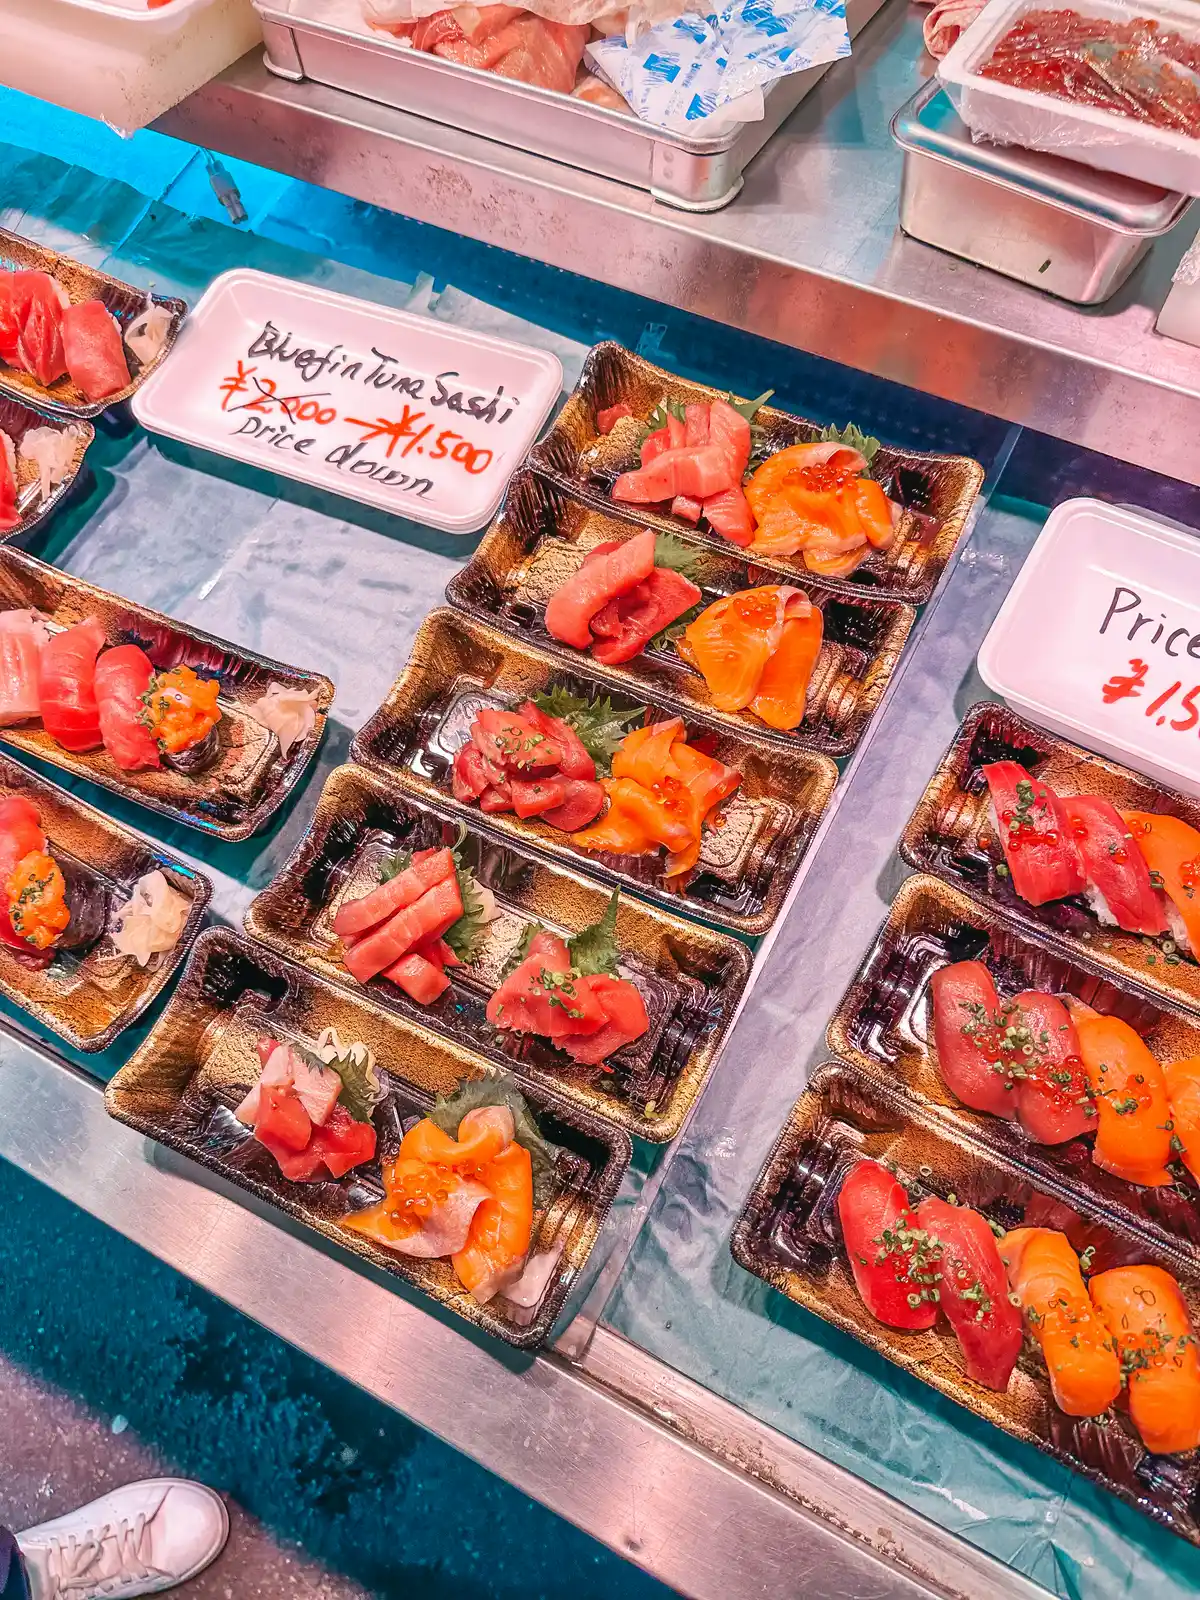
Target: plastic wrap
[(679, 73), (1071, 69)]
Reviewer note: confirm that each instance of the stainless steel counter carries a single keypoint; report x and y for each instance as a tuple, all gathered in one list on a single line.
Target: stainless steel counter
[(809, 254)]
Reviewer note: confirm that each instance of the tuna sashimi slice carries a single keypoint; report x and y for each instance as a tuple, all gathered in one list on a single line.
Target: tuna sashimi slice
[(39, 340), (122, 677), (729, 431), (430, 916), (92, 350), (420, 979), (729, 515), (627, 624), (588, 590), (356, 916), (10, 516), (700, 473), (627, 1021), (582, 804), (574, 760), (67, 685)]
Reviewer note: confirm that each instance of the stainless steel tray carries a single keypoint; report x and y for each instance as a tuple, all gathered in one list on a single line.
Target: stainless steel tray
[(1060, 226), (694, 174)]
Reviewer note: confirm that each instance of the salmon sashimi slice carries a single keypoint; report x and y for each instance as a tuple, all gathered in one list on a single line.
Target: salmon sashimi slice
[(1133, 1113), (783, 689), (1148, 1319), (356, 916), (708, 779), (497, 1244), (877, 515), (92, 350), (1182, 1079), (1118, 889), (482, 1135), (122, 677), (732, 640), (438, 909), (1083, 1365), (67, 685), (1171, 850), (645, 754), (415, 1221), (588, 590), (699, 473), (1035, 834)]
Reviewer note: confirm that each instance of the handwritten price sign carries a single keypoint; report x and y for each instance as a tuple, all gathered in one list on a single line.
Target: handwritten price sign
[(400, 411)]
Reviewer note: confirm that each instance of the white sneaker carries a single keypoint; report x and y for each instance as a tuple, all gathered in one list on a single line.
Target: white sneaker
[(140, 1539)]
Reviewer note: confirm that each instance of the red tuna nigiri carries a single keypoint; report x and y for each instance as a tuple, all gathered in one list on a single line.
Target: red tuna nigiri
[(10, 516), (93, 351), (600, 579), (890, 1256), (67, 686), (974, 1291), (966, 1032), (122, 677), (1039, 845), (39, 337), (1054, 1100), (428, 868), (1118, 880), (429, 917)]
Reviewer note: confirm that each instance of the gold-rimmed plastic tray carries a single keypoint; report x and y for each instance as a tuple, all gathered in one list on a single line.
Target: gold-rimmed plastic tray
[(788, 1234), (949, 835), (90, 995), (458, 666), (181, 1085), (937, 491), (18, 419), (81, 282), (543, 534), (248, 780), (884, 1025), (689, 976)]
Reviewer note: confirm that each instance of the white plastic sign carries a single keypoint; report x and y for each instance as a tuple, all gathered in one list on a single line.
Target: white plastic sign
[(1099, 639), (399, 411)]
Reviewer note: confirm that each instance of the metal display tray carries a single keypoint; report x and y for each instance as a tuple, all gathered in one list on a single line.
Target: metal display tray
[(1068, 229), (694, 174)]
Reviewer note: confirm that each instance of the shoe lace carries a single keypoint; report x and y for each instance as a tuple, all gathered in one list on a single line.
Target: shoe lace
[(104, 1561)]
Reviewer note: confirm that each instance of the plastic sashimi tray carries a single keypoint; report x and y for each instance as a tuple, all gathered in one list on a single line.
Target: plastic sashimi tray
[(789, 1235), (119, 60), (401, 412), (1118, 669), (182, 1083), (1037, 121), (694, 173)]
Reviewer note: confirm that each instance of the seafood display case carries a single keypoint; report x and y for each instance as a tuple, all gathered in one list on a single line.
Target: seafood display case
[(698, 1317)]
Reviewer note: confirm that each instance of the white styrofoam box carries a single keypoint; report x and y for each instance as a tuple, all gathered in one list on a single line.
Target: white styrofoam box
[(1036, 121), (415, 416), (118, 60), (1099, 639)]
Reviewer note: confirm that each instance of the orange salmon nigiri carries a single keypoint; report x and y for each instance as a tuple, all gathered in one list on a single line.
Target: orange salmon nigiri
[(1183, 1091), (1133, 1114), (493, 1257), (1172, 852), (1085, 1372), (1147, 1317)]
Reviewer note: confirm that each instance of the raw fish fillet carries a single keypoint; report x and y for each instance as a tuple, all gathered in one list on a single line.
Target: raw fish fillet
[(67, 686), (39, 335), (21, 638), (10, 516), (122, 677), (92, 349)]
